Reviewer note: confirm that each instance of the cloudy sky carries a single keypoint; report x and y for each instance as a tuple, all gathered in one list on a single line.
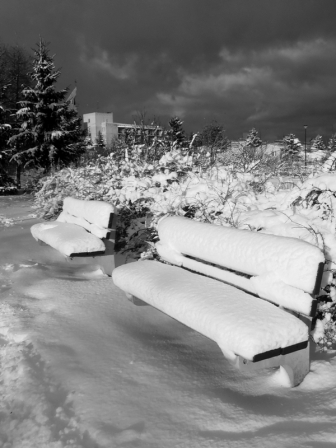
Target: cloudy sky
[(268, 64)]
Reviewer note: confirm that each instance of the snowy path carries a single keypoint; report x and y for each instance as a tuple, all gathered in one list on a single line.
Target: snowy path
[(80, 366)]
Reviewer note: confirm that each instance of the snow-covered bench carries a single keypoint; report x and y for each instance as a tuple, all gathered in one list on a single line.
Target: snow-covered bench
[(83, 229), (254, 297)]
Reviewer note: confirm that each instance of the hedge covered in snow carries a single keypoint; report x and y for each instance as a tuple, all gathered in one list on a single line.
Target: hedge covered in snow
[(223, 195), (147, 191)]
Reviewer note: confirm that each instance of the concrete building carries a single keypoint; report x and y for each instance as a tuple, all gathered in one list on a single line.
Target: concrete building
[(103, 122), (100, 122)]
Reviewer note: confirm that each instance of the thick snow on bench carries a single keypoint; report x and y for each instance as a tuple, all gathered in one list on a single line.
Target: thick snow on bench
[(93, 228), (270, 287), (95, 212), (267, 286), (294, 261), (67, 238), (240, 324)]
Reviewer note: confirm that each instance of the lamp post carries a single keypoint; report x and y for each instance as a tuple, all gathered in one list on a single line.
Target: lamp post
[(305, 128)]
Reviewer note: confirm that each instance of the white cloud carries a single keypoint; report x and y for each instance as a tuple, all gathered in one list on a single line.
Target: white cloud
[(298, 51), (219, 84), (176, 105), (96, 58), (306, 50), (266, 83)]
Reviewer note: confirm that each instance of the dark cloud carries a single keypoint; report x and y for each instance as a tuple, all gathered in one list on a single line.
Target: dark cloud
[(262, 63)]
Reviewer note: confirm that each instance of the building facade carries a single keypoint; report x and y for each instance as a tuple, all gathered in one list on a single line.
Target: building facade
[(102, 122)]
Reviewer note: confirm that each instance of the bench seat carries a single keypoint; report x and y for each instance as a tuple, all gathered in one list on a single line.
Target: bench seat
[(240, 323), (67, 238)]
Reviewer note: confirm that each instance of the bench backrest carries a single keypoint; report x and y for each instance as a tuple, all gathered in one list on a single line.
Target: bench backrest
[(95, 216), (280, 266)]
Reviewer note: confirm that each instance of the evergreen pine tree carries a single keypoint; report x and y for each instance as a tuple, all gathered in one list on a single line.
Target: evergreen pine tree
[(74, 139), (332, 143), (50, 133), (5, 127), (318, 144), (292, 146), (253, 140), (176, 131), (5, 130)]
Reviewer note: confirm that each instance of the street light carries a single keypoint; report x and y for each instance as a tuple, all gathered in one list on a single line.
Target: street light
[(305, 128)]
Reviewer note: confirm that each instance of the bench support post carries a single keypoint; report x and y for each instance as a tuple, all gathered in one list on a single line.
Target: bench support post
[(135, 300), (294, 365), (108, 260)]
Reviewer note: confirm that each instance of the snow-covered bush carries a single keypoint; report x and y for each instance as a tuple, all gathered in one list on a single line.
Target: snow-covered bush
[(143, 191), (178, 184), (317, 144), (316, 201), (307, 212)]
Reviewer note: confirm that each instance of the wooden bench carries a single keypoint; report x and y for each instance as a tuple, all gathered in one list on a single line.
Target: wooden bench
[(84, 229), (252, 293)]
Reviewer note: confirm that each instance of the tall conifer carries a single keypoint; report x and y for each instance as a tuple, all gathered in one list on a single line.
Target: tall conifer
[(50, 133), (291, 149)]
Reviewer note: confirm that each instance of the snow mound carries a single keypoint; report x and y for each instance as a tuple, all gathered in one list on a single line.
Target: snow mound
[(67, 238), (259, 219), (240, 324), (294, 261), (323, 182), (95, 212)]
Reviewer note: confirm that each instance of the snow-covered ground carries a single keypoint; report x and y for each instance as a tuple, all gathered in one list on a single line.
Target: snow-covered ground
[(80, 366)]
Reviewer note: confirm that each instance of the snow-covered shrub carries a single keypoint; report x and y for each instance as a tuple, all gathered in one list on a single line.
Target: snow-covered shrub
[(144, 192), (251, 156), (317, 200), (317, 144), (223, 195), (308, 212)]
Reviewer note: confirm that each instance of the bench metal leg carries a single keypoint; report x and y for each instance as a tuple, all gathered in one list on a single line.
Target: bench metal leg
[(108, 260), (294, 365), (135, 300)]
